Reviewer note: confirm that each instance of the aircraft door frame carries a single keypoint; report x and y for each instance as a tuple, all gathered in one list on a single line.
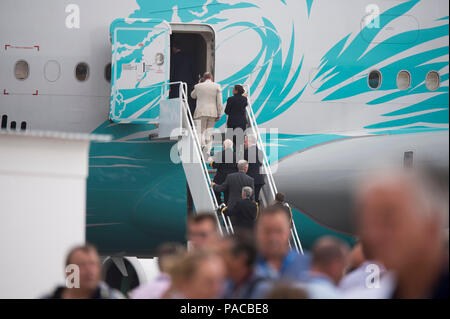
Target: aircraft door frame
[(140, 68)]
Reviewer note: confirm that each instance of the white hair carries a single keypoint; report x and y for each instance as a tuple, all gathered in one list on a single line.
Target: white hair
[(242, 165), (247, 191), (227, 144)]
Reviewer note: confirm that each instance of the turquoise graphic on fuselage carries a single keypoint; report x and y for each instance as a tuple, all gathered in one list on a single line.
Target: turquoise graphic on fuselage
[(142, 186), (340, 65), (272, 74)]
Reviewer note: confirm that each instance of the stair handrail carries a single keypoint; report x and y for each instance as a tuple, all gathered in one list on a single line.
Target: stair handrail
[(192, 128), (266, 166)]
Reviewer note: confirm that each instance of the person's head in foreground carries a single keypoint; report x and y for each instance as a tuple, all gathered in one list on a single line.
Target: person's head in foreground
[(199, 274), (286, 291), (240, 257), (402, 217), (168, 254), (330, 258), (84, 277), (273, 232), (202, 231), (88, 262)]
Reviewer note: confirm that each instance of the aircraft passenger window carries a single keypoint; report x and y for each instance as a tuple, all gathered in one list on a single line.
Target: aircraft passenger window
[(13, 125), (21, 70), (374, 79), (52, 71), (4, 121), (403, 80), (433, 80), (82, 71), (108, 72), (23, 126)]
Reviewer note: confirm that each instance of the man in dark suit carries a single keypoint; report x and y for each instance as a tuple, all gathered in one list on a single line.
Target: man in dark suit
[(234, 183), (243, 213), (254, 156), (225, 163), (181, 69)]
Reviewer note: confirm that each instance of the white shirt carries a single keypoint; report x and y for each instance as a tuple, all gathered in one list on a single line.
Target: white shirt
[(369, 281), (152, 290)]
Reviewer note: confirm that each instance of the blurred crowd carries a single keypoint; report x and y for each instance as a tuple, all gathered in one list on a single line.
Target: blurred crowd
[(401, 251)]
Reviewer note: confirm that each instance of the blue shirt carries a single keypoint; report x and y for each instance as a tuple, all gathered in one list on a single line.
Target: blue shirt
[(293, 267), (255, 287), (319, 286)]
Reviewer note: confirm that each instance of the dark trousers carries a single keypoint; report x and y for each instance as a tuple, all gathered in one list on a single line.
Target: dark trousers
[(190, 202), (243, 128), (174, 93), (257, 190)]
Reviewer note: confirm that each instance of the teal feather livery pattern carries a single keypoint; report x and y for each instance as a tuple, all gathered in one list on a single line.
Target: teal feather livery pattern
[(309, 3), (348, 65), (267, 67), (137, 179), (271, 100)]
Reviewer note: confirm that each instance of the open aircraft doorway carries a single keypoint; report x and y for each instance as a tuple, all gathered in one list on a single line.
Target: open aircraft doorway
[(198, 42)]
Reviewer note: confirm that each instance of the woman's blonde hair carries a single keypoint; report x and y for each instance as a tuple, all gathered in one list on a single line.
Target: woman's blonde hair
[(187, 265)]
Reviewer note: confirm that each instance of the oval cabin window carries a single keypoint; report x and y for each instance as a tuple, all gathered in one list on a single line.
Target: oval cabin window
[(433, 80), (403, 80), (374, 79), (4, 121), (52, 71), (82, 71), (21, 70)]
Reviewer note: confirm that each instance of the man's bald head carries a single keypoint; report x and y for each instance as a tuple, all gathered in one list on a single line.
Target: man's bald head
[(429, 195), (330, 256), (327, 249), (401, 214)]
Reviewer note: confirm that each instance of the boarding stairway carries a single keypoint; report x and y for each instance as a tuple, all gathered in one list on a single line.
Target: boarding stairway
[(269, 190), (194, 161), (195, 165)]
